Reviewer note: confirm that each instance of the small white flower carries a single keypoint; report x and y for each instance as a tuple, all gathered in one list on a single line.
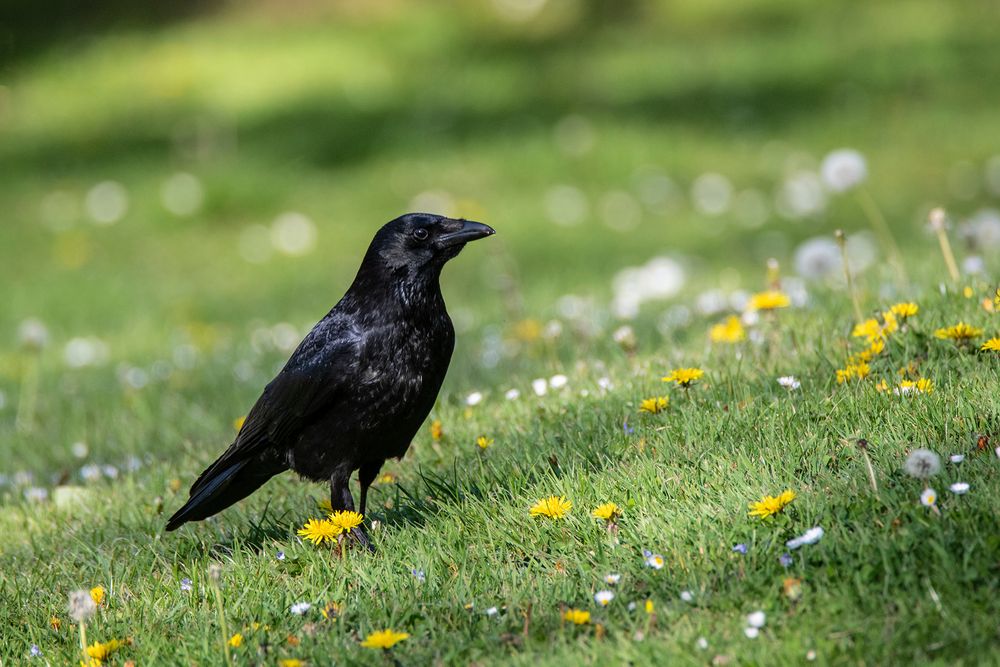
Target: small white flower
[(757, 619), (300, 608), (631, 606), (90, 472), (604, 383), (603, 597), (997, 452), (958, 488), (922, 463), (492, 611), (687, 596), (810, 655), (79, 450), (512, 395), (36, 494), (475, 398), (540, 386), (109, 471), (789, 382), (655, 561), (811, 536), (702, 643), (843, 169), (956, 458), (928, 497), (612, 579), (558, 381), (751, 632)]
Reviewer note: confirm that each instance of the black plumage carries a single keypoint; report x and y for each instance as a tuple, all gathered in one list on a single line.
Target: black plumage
[(358, 387)]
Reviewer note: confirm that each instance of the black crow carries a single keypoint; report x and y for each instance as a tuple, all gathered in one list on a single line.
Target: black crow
[(357, 388)]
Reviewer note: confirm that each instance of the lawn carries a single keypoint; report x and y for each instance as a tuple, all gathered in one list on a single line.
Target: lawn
[(182, 202)]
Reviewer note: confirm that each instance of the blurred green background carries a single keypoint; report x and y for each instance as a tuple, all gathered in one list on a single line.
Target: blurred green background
[(206, 176)]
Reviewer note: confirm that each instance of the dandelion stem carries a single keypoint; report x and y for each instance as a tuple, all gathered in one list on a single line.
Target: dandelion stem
[(863, 446), (937, 217), (222, 622), (842, 242), (83, 641), (25, 419), (881, 227)]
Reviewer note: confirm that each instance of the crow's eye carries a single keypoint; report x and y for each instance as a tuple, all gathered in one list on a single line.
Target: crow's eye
[(420, 234)]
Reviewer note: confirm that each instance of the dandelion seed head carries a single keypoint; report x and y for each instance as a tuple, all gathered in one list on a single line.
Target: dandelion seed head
[(81, 605), (922, 464)]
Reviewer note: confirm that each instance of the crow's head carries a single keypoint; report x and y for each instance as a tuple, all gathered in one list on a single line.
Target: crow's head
[(419, 242)]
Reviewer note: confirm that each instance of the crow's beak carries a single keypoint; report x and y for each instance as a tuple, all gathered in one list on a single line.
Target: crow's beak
[(470, 231)]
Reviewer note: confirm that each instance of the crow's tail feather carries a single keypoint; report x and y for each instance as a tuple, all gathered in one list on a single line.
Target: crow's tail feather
[(225, 487)]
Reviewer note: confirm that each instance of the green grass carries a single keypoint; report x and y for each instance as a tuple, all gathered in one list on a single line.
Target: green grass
[(346, 116)]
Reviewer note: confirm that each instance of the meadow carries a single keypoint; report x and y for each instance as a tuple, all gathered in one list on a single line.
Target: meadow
[(182, 201)]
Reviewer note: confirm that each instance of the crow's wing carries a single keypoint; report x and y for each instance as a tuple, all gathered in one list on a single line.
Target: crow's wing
[(316, 376)]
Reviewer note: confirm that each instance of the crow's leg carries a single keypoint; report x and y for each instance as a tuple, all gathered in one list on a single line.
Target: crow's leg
[(342, 500), (367, 475)]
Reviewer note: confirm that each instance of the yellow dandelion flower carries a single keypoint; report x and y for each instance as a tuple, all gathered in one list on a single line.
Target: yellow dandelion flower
[(869, 329), (769, 300), (387, 478), (650, 608), (858, 371), (384, 639), (904, 310), (319, 531), (730, 330), (55, 623), (330, 611), (236, 640), (346, 520), (992, 344), (437, 430), (99, 651), (554, 507), (684, 377), (920, 386), (654, 405), (771, 505), (968, 292), (483, 442), (869, 353), (607, 512), (97, 594), (527, 331), (577, 616), (960, 333), (324, 504), (239, 421), (290, 662)]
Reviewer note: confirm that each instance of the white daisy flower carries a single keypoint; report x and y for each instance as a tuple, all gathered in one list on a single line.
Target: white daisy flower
[(492, 611), (475, 398), (655, 561), (603, 597), (540, 386), (612, 579), (687, 596), (512, 395), (757, 619), (959, 488), (956, 458), (928, 497), (789, 382), (558, 381), (751, 632), (702, 643), (300, 608)]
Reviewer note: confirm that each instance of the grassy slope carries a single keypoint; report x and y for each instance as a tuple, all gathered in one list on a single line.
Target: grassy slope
[(336, 124)]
